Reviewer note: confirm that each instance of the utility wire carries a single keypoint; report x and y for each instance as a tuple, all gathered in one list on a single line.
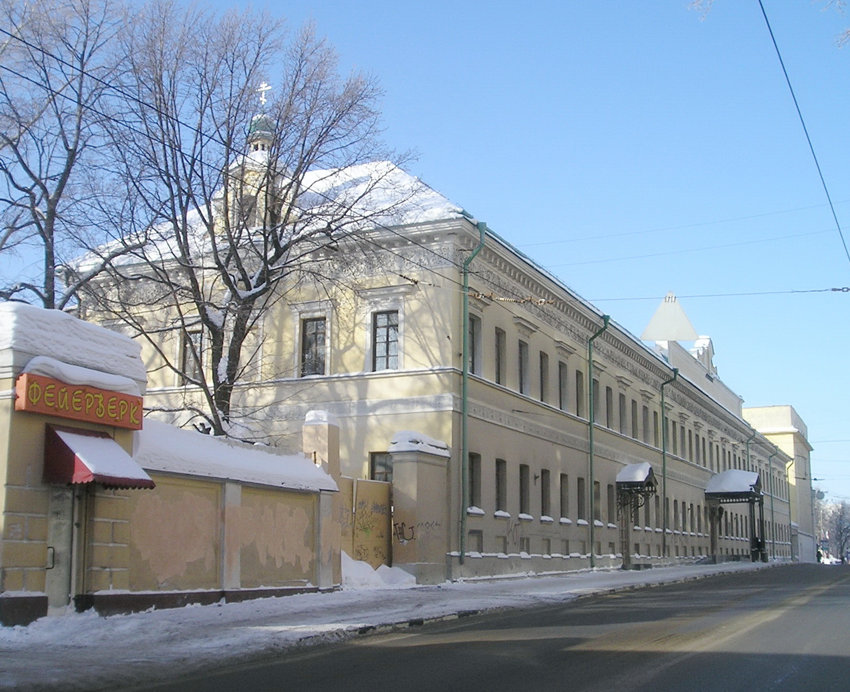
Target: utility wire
[(843, 289), (805, 130)]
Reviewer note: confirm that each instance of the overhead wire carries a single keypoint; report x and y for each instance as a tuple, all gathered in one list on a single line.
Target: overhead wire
[(805, 131), (517, 298)]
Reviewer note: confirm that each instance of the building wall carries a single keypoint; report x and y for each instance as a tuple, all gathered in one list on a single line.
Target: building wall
[(533, 416)]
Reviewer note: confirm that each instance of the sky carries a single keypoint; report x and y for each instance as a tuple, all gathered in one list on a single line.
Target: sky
[(638, 148), (123, 651), (635, 149)]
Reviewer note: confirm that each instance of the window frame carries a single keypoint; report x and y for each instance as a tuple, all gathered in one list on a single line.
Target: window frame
[(389, 360), (318, 350)]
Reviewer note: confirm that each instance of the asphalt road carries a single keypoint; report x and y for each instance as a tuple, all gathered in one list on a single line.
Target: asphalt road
[(786, 628)]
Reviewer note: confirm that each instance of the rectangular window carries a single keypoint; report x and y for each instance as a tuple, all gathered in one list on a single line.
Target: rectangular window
[(523, 367), (545, 500), (596, 408), (501, 485), (544, 376), (385, 340), (524, 495), (580, 394), (581, 498), (563, 385), (655, 428), (191, 356), (597, 501), (501, 356), (622, 421), (565, 495), (380, 467), (645, 422), (612, 506), (474, 345), (609, 407), (635, 427), (474, 480), (313, 346)]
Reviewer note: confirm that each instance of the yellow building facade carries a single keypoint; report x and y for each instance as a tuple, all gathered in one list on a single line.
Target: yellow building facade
[(384, 349)]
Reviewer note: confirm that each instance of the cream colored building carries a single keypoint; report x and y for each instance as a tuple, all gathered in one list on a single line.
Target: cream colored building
[(783, 426), (383, 351)]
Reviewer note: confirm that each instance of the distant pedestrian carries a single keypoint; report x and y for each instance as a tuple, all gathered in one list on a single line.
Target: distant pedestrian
[(820, 555)]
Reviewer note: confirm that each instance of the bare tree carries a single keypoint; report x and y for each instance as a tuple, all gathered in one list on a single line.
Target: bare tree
[(239, 190), (55, 75), (839, 530)]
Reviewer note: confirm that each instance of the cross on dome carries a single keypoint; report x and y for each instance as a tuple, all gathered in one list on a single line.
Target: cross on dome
[(263, 88)]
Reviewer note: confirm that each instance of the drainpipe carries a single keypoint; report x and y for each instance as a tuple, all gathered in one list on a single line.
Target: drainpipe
[(464, 393), (591, 419), (774, 453), (664, 465)]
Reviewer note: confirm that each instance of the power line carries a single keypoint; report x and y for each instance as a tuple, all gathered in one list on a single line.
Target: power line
[(687, 250), (805, 130), (843, 289), (697, 224)]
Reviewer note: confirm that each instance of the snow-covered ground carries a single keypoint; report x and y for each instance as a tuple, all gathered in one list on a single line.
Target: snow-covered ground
[(85, 651)]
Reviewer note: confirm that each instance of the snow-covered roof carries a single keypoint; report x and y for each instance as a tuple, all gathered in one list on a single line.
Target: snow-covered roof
[(27, 331), (163, 447), (379, 191), (736, 481), (635, 473), (409, 441), (360, 197)]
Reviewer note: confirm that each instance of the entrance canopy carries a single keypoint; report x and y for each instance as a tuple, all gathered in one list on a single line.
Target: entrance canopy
[(734, 485), (636, 477), (84, 456)]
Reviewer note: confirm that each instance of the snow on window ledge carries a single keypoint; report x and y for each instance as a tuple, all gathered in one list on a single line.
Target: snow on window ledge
[(565, 520), (522, 516), (582, 522), (475, 511), (501, 514), (546, 519)]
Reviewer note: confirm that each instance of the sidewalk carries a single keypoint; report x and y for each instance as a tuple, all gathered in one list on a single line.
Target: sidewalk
[(83, 651)]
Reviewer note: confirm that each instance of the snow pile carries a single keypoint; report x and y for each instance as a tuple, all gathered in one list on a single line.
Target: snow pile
[(38, 332), (162, 447), (360, 575)]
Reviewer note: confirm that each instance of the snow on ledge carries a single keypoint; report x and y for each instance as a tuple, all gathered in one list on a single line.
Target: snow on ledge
[(409, 441)]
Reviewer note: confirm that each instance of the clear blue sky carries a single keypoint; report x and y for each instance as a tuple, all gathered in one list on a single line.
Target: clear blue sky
[(639, 148), (636, 148)]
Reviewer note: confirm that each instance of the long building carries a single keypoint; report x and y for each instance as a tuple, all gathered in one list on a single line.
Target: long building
[(434, 324)]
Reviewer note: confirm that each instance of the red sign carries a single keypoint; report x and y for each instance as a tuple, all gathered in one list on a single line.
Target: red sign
[(39, 394)]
